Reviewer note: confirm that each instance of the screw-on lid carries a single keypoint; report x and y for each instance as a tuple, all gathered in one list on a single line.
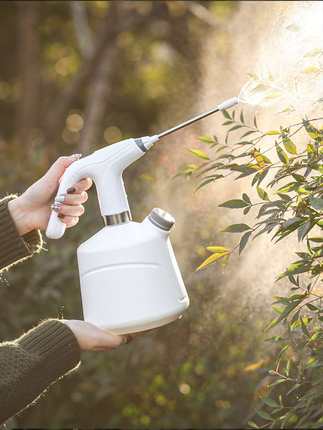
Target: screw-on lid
[(161, 219)]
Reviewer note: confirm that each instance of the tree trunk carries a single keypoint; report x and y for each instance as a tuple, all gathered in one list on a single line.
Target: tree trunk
[(27, 118)]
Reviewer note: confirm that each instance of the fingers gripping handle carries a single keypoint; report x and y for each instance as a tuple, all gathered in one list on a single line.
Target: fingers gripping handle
[(56, 228), (105, 167)]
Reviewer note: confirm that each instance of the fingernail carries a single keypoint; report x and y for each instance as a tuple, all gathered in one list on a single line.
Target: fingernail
[(60, 198), (77, 156), (71, 190), (56, 206)]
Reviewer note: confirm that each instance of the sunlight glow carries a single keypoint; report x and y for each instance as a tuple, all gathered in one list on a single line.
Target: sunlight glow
[(290, 71)]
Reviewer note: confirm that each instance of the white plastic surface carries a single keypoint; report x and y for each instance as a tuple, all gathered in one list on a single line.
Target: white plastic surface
[(228, 103), (130, 280), (105, 167)]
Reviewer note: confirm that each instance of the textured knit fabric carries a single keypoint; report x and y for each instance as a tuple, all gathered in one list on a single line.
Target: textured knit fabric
[(15, 248), (31, 363)]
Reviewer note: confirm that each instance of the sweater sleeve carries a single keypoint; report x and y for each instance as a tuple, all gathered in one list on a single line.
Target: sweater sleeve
[(15, 248), (31, 363)]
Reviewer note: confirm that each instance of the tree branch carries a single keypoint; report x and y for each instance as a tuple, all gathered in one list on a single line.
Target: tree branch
[(97, 99), (202, 13), (82, 29), (111, 26)]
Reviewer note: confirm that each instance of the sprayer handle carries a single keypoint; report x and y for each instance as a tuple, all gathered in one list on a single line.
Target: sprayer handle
[(74, 173), (105, 167)]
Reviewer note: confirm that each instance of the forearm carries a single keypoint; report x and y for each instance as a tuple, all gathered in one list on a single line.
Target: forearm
[(33, 362), (13, 246)]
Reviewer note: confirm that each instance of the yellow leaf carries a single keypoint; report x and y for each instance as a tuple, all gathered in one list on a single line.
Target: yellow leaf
[(259, 158), (254, 166), (212, 259), (293, 27), (147, 177), (217, 249), (272, 132), (313, 53), (311, 69), (199, 153), (254, 366)]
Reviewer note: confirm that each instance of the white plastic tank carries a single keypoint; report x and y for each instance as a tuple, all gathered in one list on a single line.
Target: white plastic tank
[(130, 280)]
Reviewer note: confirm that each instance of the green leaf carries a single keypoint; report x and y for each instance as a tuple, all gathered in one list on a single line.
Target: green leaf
[(226, 114), (255, 121), (247, 133), (253, 425), (303, 230), (234, 204), (264, 415), (246, 198), (208, 139), (316, 239), (281, 352), (236, 228), (281, 154), (208, 181), (304, 329), (288, 309), (299, 178), (287, 368), (270, 402), (312, 307), (292, 186), (279, 381), (236, 127), (289, 145), (316, 203), (294, 388), (244, 241), (262, 193), (300, 266), (199, 153), (313, 132)]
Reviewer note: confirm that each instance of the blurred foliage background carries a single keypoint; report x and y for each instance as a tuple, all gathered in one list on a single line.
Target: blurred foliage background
[(77, 75)]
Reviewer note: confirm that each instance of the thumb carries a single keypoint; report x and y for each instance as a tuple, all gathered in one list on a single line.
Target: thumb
[(58, 168)]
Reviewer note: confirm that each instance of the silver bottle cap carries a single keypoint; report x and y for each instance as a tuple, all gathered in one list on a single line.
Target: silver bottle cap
[(161, 219)]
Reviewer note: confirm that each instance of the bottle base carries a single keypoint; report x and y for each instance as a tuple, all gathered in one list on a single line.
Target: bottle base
[(144, 325)]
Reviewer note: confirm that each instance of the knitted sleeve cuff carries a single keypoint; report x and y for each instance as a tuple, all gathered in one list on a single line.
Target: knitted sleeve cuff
[(14, 248), (56, 347)]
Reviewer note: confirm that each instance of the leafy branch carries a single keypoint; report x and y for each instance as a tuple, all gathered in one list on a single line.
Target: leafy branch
[(289, 203)]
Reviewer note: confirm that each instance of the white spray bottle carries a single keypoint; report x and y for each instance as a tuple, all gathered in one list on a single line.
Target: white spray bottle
[(130, 280)]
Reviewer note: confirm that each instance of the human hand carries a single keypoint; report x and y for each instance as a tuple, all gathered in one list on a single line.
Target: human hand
[(31, 210), (92, 338)]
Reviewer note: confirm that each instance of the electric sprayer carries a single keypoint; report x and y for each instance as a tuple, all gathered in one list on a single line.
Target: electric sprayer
[(130, 280)]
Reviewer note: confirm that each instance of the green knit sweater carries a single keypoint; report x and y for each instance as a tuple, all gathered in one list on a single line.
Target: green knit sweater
[(29, 364)]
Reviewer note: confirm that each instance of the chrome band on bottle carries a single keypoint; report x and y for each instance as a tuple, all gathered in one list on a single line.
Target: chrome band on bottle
[(120, 218)]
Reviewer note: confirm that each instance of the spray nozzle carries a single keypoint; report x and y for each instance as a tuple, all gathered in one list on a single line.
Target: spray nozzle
[(222, 106), (228, 103)]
